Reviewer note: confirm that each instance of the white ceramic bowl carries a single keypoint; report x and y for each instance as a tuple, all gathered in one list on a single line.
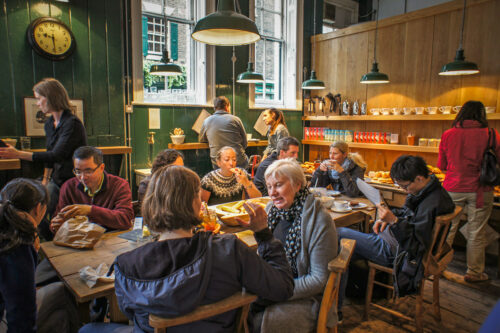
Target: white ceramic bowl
[(177, 139), (327, 202)]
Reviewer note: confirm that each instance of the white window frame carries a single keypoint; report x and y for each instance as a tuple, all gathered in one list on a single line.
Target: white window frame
[(291, 58), (203, 68)]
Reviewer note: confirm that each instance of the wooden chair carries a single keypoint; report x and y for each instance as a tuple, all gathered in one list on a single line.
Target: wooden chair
[(240, 300), (435, 261), (330, 296)]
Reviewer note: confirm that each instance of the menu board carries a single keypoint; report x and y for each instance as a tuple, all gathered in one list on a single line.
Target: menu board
[(260, 126), (204, 114)]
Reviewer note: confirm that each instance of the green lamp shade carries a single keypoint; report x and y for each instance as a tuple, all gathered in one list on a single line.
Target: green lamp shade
[(459, 66), (166, 69), (313, 83), (226, 27), (250, 76), (374, 77)]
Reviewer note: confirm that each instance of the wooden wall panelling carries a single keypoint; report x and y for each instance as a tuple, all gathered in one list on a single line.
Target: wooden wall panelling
[(356, 65), (415, 86), (8, 125), (18, 20), (63, 70), (482, 46), (42, 67)]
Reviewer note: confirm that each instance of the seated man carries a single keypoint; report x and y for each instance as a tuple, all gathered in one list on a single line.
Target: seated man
[(406, 231), (287, 147), (105, 199)]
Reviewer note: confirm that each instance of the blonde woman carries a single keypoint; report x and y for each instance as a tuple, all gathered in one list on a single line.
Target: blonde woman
[(275, 119), (341, 170)]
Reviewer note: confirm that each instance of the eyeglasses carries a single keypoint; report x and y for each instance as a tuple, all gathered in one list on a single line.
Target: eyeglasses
[(404, 187), (86, 172)]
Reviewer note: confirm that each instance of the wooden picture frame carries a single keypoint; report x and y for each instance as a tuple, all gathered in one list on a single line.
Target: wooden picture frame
[(34, 118)]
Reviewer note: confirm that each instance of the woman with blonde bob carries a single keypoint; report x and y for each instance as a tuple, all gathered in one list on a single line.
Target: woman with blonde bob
[(341, 170), (307, 231), (182, 270)]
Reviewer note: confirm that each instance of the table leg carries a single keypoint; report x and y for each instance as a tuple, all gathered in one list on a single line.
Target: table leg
[(83, 312), (115, 315)]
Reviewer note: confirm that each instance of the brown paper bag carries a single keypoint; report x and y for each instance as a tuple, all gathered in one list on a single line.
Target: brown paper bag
[(78, 233)]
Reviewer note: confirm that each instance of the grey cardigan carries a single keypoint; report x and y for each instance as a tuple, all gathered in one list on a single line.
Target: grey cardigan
[(318, 248)]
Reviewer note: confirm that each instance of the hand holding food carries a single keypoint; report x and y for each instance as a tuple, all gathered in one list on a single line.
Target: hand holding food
[(75, 210), (257, 217)]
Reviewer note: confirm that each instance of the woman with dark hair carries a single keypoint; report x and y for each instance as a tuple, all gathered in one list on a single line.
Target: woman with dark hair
[(64, 134), (23, 203), (165, 157), (275, 119), (460, 154), (182, 270)]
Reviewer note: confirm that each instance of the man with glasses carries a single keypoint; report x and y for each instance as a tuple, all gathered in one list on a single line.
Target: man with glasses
[(105, 199), (406, 231)]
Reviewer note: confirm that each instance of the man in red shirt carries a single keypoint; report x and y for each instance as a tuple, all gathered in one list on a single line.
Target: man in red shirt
[(105, 199)]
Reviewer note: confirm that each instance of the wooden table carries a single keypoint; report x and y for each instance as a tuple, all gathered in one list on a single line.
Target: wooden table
[(67, 262), (10, 164)]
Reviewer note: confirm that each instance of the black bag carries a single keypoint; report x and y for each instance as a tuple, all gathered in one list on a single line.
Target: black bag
[(490, 171)]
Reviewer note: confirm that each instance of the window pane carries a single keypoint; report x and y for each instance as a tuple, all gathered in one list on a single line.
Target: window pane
[(272, 25), (179, 8), (273, 5), (269, 63)]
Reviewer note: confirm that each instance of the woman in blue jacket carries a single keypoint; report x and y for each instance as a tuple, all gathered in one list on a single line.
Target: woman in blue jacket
[(182, 270), (23, 203)]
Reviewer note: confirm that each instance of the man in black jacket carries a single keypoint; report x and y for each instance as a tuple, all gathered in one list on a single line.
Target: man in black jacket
[(408, 229), (287, 147)]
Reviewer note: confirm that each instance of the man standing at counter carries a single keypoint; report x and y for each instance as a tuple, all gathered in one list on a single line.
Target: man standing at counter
[(287, 147), (105, 199), (223, 129)]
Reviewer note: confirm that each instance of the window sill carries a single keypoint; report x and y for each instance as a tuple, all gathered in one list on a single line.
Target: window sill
[(173, 105)]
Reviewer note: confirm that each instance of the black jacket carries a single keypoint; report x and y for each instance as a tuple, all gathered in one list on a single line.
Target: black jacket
[(345, 184), (62, 142), (259, 180), (172, 277), (413, 232)]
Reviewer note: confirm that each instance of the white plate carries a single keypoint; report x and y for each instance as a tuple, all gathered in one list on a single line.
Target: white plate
[(359, 206), (341, 211), (332, 193)]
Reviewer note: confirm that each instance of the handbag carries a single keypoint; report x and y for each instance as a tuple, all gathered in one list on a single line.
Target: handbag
[(490, 171)]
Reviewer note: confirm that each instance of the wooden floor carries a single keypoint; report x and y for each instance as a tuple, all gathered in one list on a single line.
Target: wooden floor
[(464, 306)]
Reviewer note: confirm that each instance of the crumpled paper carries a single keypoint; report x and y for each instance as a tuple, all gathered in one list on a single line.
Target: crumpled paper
[(91, 275)]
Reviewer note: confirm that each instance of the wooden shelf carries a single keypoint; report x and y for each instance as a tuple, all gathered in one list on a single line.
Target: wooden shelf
[(108, 150), (199, 145), (420, 149), (10, 164), (490, 116)]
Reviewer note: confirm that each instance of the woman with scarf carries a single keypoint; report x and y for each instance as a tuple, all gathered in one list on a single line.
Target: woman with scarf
[(341, 170), (460, 154), (308, 234), (23, 203), (275, 119)]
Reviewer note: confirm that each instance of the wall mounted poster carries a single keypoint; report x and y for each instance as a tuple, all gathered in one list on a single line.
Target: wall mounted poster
[(34, 118)]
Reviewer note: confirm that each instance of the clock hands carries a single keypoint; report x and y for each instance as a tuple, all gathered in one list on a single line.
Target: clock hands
[(53, 39)]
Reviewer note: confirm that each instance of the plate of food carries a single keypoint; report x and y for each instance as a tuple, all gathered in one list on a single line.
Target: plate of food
[(332, 193), (354, 204), (230, 211)]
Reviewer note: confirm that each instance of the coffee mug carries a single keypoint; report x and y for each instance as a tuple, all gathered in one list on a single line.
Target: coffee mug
[(432, 109), (456, 108), (375, 112), (490, 109), (341, 204), (445, 109), (419, 110), (407, 110), (396, 111), (386, 111), (249, 136)]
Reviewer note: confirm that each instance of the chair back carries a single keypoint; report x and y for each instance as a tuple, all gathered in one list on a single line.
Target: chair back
[(330, 295), (240, 300), (440, 253)]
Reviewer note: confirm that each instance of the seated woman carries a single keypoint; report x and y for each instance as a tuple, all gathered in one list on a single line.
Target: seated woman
[(181, 271), (341, 170), (275, 119), (23, 203), (165, 157), (308, 234), (228, 183)]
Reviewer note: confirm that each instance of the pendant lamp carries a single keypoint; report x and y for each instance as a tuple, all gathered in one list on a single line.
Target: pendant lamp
[(374, 76), (166, 68), (226, 27), (459, 66), (250, 76), (313, 83)]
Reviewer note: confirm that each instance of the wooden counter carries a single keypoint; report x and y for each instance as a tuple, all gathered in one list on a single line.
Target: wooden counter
[(108, 150), (199, 145), (10, 164)]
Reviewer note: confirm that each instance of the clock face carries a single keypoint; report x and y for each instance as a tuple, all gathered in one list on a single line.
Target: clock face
[(51, 38)]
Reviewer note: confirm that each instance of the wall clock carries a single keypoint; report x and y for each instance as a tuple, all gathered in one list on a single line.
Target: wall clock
[(51, 38)]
